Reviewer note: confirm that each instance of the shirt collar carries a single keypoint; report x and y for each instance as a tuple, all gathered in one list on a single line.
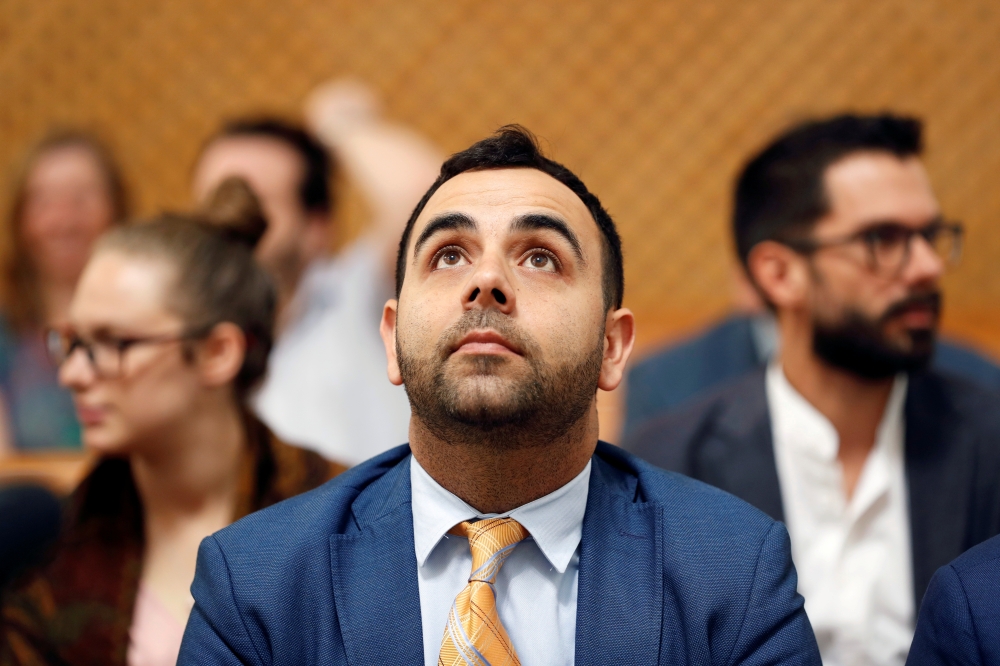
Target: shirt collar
[(554, 521), (801, 424)]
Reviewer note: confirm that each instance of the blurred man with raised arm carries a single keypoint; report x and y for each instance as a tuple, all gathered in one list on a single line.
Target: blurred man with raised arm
[(326, 387), (507, 320), (882, 468)]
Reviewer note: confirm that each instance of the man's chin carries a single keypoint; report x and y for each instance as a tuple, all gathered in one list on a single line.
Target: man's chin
[(486, 400), (486, 390), (874, 353), (471, 372), (916, 342)]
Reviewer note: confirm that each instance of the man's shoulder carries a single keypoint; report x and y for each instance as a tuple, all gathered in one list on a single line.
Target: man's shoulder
[(980, 563), (946, 394), (965, 361), (717, 570), (698, 362), (712, 341), (738, 404), (301, 524), (688, 504)]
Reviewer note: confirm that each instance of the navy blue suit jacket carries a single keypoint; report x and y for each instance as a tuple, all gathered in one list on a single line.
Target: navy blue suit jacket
[(959, 621), (673, 376), (672, 571)]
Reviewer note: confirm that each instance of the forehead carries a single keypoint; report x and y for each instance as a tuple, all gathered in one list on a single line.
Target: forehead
[(495, 197), (874, 186), (269, 165), (65, 164), (121, 291)]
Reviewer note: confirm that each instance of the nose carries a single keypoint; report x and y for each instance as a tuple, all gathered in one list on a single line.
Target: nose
[(925, 265), (489, 286), (77, 372)]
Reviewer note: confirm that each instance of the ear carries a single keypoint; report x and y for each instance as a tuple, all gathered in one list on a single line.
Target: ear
[(220, 354), (619, 337), (388, 330), (781, 273)]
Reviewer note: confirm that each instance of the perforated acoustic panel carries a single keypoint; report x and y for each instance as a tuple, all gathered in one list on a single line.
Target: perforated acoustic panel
[(654, 103)]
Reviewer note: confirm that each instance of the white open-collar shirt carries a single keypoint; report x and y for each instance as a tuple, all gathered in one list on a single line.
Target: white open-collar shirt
[(326, 388), (537, 585), (853, 557)]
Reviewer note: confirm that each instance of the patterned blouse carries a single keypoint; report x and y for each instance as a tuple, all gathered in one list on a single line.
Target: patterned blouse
[(76, 607)]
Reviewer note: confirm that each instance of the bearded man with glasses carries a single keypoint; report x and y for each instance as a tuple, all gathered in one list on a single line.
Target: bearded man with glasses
[(882, 468)]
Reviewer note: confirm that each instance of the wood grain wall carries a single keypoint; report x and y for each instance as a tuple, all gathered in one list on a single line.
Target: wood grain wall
[(656, 103)]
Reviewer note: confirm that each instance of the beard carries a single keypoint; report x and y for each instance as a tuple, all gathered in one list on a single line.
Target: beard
[(857, 343), (489, 400)]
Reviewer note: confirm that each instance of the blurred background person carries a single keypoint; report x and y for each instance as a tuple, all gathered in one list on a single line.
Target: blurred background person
[(746, 339), (883, 467), (69, 192), (326, 386), (168, 331)]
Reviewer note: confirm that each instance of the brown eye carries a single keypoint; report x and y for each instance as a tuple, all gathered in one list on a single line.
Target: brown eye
[(449, 259), (541, 261)]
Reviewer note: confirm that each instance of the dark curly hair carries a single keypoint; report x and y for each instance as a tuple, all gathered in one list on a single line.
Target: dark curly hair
[(513, 146), (780, 193)]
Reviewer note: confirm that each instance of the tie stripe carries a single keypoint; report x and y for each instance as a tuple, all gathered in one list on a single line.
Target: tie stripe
[(474, 635)]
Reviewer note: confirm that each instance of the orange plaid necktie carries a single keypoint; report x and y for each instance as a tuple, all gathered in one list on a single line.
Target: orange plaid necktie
[(474, 635)]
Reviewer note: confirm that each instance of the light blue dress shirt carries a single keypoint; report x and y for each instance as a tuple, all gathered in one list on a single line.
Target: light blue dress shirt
[(537, 585)]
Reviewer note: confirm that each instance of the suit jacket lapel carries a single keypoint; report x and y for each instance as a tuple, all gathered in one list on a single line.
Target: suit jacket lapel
[(620, 592), (738, 455), (939, 472), (375, 576)]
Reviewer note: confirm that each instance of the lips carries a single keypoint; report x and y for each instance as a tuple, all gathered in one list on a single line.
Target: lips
[(918, 316), (90, 416), (920, 311), (485, 342)]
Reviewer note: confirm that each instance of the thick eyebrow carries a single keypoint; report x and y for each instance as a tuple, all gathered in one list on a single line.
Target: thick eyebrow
[(445, 222), (536, 221), (888, 221)]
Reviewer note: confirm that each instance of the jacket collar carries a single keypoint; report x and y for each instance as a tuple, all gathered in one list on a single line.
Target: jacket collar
[(940, 473), (740, 460), (374, 571), (621, 544), (620, 593)]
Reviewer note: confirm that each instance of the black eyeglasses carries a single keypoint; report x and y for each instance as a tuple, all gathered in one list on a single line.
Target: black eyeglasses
[(106, 353), (889, 244)]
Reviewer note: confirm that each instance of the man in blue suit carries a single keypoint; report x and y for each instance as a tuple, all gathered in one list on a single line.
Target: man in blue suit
[(959, 621), (507, 320)]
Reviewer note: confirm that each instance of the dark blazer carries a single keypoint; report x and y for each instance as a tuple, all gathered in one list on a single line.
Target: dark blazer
[(673, 376), (952, 458), (671, 572), (959, 622)]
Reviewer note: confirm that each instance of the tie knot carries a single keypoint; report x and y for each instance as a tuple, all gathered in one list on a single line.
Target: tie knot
[(491, 541)]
